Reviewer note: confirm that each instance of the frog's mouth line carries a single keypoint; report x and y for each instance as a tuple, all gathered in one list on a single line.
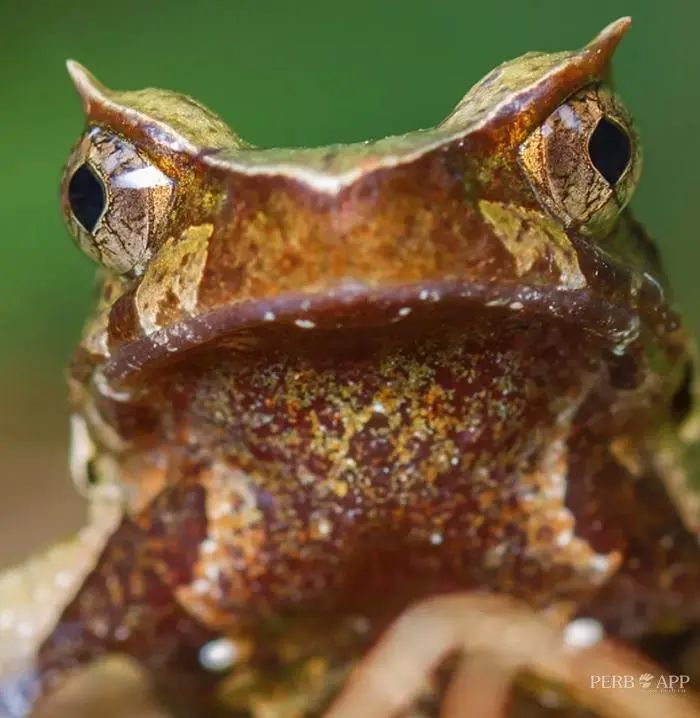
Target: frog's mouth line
[(352, 305)]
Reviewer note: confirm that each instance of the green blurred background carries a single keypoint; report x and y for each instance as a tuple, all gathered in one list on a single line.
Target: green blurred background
[(282, 73)]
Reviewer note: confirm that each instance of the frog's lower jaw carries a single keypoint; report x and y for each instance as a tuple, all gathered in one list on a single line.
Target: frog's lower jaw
[(351, 305)]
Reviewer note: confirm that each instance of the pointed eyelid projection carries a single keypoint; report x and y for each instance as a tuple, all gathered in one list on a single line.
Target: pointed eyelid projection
[(528, 88)]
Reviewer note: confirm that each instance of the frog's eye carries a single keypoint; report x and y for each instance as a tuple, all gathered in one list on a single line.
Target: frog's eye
[(610, 150), (583, 161), (115, 201), (87, 197)]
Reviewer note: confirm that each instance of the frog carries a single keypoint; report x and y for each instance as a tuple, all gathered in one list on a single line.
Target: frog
[(331, 395)]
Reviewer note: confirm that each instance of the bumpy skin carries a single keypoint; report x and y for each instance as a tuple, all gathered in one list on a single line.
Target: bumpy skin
[(338, 380)]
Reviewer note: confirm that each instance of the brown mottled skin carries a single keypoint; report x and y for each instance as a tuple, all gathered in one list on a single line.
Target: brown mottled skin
[(345, 379)]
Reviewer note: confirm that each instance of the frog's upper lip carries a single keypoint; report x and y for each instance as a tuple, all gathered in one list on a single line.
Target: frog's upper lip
[(351, 304)]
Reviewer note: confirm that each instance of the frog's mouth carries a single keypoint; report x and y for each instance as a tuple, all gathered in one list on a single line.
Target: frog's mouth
[(307, 318)]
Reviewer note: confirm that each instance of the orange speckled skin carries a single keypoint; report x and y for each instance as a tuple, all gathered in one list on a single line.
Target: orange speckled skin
[(374, 393)]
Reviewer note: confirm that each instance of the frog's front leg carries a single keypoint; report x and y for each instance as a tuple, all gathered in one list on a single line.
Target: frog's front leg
[(499, 637), (32, 598), (111, 589)]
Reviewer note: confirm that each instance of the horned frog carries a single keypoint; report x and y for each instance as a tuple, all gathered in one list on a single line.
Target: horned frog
[(434, 377)]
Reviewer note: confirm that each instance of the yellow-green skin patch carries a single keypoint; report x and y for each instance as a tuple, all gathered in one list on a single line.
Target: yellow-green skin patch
[(171, 281), (531, 237)]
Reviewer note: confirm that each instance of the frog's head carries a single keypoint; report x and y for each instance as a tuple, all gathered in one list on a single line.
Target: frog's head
[(514, 202)]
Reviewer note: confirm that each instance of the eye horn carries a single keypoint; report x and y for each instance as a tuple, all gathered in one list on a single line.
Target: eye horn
[(610, 150), (87, 197)]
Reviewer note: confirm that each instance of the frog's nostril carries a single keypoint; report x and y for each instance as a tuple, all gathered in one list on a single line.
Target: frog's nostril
[(87, 197), (610, 150)]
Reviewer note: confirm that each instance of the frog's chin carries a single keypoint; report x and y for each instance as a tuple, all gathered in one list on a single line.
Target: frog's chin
[(248, 325)]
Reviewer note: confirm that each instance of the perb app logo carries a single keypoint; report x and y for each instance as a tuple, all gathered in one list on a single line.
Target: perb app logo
[(645, 680), (664, 683)]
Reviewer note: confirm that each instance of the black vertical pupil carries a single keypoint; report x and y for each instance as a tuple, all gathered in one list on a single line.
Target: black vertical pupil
[(86, 196), (610, 150)]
